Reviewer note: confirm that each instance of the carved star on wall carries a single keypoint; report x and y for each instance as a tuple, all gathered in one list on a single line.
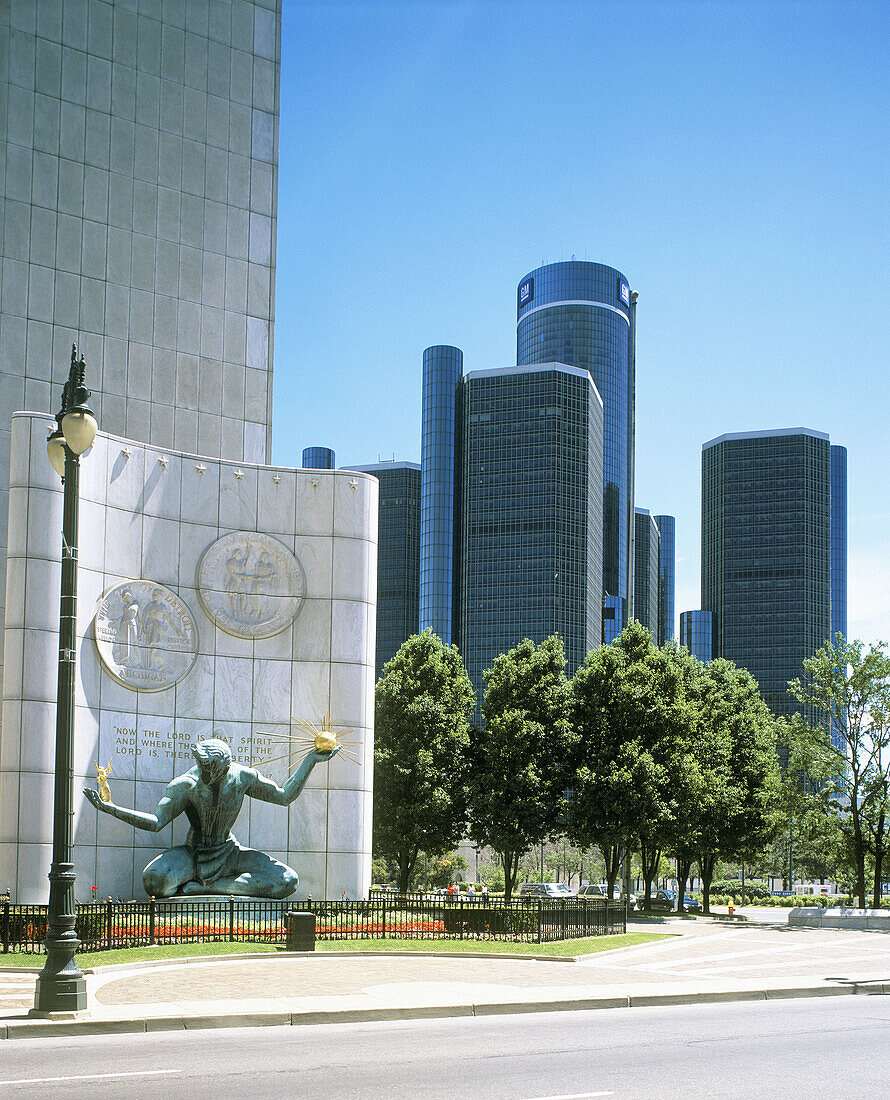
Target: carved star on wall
[(353, 484), (163, 460), (314, 482), (276, 479), (125, 451), (200, 467), (239, 474)]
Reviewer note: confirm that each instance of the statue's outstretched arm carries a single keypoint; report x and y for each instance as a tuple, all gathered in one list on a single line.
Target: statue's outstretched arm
[(170, 806), (269, 791)]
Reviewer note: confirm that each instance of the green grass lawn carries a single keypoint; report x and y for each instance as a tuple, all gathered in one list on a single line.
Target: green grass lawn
[(588, 946)]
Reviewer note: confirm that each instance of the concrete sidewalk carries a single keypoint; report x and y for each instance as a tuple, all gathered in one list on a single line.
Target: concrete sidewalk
[(702, 961)]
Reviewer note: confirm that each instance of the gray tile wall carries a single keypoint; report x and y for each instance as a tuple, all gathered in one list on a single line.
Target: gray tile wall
[(138, 168)]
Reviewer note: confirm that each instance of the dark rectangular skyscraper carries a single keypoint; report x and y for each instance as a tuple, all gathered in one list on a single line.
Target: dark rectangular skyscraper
[(398, 555), (647, 553), (666, 578), (531, 549), (766, 552)]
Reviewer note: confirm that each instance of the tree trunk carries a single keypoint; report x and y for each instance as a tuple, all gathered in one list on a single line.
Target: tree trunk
[(879, 860), (510, 864), (858, 852), (649, 857), (683, 866), (706, 864), (407, 858), (612, 856)]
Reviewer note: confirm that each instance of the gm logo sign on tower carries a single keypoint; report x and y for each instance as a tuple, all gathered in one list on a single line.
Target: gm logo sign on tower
[(624, 292), (526, 292)]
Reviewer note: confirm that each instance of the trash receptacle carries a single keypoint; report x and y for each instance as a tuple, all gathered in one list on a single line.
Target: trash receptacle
[(300, 930)]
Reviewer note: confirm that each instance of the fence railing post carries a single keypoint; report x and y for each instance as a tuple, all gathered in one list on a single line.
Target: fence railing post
[(151, 922), (540, 918), (231, 918), (109, 922), (383, 920), (5, 927)]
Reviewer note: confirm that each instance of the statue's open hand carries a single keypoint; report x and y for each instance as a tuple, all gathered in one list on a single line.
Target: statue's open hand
[(93, 796), (321, 756)]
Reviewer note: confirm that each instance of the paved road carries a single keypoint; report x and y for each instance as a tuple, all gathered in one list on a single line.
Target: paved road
[(819, 1047)]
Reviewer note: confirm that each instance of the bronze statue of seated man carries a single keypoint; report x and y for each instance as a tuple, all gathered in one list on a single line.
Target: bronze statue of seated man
[(211, 795)]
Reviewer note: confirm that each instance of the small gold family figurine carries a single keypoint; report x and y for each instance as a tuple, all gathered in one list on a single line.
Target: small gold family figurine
[(102, 781)]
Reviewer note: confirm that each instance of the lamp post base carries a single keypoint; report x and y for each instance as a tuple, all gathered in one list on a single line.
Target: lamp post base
[(61, 986), (60, 992)]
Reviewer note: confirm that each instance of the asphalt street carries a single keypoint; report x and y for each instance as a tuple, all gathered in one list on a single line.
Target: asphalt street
[(733, 1050)]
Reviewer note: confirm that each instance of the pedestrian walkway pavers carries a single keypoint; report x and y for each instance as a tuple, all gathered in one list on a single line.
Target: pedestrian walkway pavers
[(701, 961)]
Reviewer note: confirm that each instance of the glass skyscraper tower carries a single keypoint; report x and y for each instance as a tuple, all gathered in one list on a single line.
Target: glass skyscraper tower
[(667, 526), (440, 476), (583, 314), (530, 545), (838, 461), (398, 555), (773, 551), (647, 559)]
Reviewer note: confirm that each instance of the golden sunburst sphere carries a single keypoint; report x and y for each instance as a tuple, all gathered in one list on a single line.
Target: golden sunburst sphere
[(326, 740)]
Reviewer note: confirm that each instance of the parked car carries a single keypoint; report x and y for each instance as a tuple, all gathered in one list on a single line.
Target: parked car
[(600, 890), (665, 901), (546, 890)]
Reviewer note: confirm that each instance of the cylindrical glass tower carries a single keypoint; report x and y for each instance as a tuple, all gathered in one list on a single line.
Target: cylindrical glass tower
[(581, 314), (442, 370), (318, 458), (697, 633)]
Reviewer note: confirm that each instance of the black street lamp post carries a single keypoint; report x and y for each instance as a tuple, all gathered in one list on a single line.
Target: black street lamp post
[(61, 987)]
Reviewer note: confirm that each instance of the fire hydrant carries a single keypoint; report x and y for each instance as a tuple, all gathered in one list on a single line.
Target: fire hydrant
[(731, 910)]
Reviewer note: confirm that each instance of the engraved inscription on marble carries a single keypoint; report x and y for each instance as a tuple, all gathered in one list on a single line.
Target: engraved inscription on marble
[(146, 635), (251, 585)]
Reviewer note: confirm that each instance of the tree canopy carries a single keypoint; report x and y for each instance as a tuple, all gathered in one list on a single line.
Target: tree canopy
[(423, 703), (633, 762), (519, 769), (842, 762)]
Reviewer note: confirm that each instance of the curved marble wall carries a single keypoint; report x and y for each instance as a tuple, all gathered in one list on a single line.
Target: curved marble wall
[(150, 514)]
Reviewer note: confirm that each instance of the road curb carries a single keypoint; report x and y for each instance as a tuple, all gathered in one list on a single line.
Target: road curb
[(46, 1029)]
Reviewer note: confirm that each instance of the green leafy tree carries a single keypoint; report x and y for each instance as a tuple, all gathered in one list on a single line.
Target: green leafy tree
[(736, 817), (519, 762), (844, 756), (381, 870), (632, 757), (435, 872), (422, 736)]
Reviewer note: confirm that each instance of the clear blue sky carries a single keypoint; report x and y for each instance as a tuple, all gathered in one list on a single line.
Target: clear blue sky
[(731, 158)]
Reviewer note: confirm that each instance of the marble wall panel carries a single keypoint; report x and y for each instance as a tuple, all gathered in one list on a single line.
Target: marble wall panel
[(276, 502), (312, 631), (157, 520), (315, 502), (10, 747)]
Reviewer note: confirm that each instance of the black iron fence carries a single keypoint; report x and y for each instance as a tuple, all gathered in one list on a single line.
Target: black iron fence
[(101, 926)]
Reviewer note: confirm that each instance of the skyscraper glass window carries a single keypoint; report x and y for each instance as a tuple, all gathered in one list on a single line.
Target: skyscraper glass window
[(766, 560), (666, 578), (531, 549), (583, 314)]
